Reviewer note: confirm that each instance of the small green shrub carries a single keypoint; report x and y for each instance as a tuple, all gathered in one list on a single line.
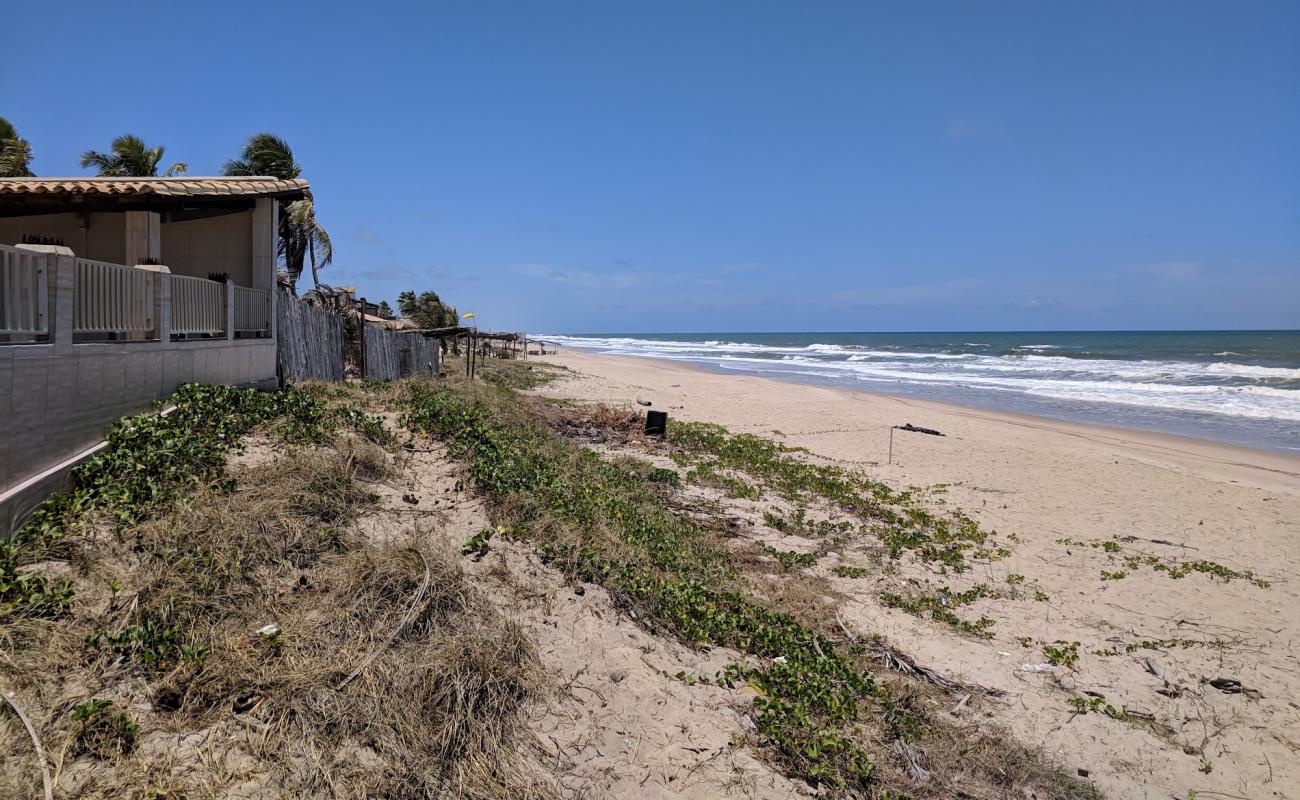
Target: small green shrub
[(665, 476), (1062, 653), (154, 643), (790, 558), (102, 731)]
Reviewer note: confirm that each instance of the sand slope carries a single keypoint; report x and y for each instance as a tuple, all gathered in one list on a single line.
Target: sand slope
[(1148, 642)]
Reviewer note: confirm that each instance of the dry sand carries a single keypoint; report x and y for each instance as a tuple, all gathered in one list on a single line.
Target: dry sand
[(1180, 499), (617, 723)]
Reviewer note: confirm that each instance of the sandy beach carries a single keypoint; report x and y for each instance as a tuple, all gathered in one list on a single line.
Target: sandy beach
[(1204, 666)]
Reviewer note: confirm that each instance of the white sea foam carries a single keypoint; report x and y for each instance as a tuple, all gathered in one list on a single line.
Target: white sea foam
[(1222, 388), (1252, 371)]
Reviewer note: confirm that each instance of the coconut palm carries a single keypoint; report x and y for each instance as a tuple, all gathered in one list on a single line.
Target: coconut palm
[(15, 152), (301, 235), (427, 310), (302, 238), (130, 157), (264, 154)]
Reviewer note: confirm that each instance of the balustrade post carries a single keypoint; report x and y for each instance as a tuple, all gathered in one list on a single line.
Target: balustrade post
[(162, 300), (230, 309), (58, 301)]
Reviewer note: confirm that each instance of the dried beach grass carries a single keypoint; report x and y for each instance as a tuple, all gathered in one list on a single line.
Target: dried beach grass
[(300, 659)]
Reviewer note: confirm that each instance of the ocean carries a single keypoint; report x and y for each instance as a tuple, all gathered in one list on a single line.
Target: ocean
[(1240, 387)]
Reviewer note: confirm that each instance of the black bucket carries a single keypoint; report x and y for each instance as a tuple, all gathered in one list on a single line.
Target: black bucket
[(656, 423)]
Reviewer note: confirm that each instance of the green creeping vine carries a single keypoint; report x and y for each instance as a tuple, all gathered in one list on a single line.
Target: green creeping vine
[(790, 558), (149, 459), (1172, 567), (940, 607), (800, 524), (814, 703), (901, 523), (154, 643)]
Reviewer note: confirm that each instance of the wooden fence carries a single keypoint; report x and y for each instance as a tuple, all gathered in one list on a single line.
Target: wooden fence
[(310, 345), (309, 341), (390, 355)]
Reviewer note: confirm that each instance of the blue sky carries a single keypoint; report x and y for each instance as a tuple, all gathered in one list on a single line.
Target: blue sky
[(714, 166)]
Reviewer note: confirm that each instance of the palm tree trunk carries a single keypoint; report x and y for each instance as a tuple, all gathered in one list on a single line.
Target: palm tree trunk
[(311, 250)]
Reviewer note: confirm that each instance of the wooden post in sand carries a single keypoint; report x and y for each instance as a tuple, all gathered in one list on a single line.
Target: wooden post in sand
[(361, 337)]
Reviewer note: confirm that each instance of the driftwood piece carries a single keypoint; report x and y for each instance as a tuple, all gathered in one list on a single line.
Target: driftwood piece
[(41, 758), (915, 429), (894, 660), (416, 602)]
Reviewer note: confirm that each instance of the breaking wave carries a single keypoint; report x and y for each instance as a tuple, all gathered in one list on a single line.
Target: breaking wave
[(1225, 388)]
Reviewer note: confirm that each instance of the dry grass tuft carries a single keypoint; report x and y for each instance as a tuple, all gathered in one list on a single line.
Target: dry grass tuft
[(307, 661)]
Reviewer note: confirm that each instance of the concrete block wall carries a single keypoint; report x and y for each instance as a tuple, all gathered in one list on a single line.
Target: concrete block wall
[(59, 398)]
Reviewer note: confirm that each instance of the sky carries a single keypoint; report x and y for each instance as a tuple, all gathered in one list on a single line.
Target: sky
[(610, 166)]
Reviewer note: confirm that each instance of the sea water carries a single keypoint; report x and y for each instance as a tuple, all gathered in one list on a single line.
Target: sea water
[(1241, 387)]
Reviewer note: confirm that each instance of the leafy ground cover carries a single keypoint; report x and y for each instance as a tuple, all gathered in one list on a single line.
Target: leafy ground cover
[(821, 711), (150, 458), (198, 604)]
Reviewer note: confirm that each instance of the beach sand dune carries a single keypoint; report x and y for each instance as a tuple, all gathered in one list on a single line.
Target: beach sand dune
[(1093, 511)]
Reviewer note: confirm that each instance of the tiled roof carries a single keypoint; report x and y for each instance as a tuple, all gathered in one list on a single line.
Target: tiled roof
[(164, 187)]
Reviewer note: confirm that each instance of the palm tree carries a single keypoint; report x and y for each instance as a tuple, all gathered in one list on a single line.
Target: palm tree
[(301, 235), (15, 152), (264, 154), (427, 310), (132, 158)]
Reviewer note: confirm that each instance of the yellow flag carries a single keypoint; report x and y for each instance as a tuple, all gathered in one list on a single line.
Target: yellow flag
[(470, 315)]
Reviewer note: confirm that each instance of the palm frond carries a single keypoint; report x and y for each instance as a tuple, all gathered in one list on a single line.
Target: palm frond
[(100, 161), (322, 243), (130, 157), (15, 158), (265, 154)]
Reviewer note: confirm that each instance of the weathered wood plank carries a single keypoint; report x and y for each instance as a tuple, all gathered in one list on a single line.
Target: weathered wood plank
[(399, 354), (309, 341)]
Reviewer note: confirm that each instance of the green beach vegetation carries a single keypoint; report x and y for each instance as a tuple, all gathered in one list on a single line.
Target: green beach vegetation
[(213, 592), (823, 710)]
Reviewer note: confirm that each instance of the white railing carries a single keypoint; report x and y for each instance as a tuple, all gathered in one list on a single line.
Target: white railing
[(111, 298), (24, 292), (198, 305), (252, 310)]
